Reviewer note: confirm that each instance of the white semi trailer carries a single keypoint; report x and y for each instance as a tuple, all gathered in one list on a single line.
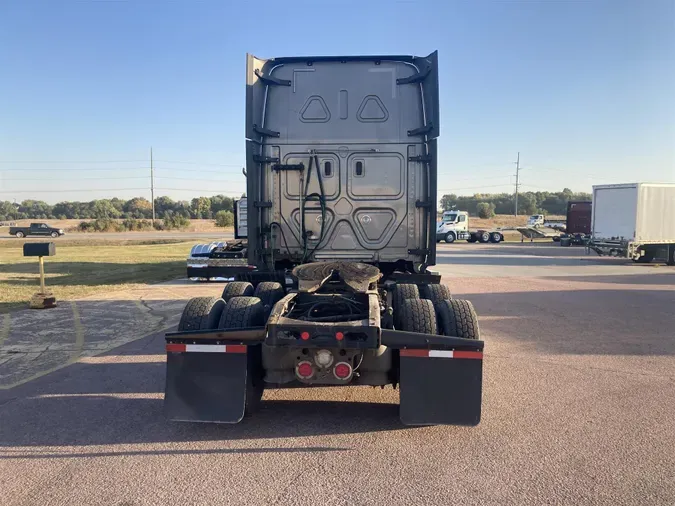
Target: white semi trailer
[(635, 221)]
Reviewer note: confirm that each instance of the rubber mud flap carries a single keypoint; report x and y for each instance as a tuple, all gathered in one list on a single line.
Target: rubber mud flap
[(206, 387), (440, 390)]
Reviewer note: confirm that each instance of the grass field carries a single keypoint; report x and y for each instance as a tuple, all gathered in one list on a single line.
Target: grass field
[(79, 270)]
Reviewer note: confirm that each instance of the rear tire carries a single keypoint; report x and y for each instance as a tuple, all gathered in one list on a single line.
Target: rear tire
[(496, 237), (201, 313), (401, 294), (237, 289), (418, 315), (484, 236), (269, 293), (20, 235), (242, 312), (436, 293), (457, 318)]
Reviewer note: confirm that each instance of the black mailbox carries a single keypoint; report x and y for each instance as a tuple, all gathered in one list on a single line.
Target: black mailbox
[(39, 249)]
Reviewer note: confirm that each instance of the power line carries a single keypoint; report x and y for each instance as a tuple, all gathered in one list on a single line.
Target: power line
[(474, 187), (70, 161), (195, 179), (74, 169), (81, 178), (201, 163), (77, 190), (194, 169), (201, 191)]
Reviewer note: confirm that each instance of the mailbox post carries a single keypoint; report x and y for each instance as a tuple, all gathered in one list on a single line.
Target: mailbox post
[(43, 299)]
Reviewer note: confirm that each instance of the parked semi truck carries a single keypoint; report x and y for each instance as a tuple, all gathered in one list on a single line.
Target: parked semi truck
[(454, 226), (341, 210), (577, 224), (635, 221)]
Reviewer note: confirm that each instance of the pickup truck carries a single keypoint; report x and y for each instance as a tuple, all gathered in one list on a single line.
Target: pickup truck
[(36, 229)]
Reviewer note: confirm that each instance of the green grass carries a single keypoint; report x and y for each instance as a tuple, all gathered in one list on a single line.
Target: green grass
[(79, 270)]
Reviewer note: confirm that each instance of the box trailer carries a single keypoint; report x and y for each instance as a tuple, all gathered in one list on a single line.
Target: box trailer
[(635, 221), (332, 283)]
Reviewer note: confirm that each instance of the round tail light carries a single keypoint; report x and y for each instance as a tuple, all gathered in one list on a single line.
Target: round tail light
[(304, 370), (342, 370)]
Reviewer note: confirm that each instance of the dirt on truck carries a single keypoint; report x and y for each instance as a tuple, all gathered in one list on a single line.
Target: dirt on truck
[(332, 281)]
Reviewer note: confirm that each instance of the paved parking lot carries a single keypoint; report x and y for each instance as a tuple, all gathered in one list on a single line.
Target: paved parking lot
[(579, 402)]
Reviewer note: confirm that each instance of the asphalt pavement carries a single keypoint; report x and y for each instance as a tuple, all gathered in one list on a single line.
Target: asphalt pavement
[(578, 408)]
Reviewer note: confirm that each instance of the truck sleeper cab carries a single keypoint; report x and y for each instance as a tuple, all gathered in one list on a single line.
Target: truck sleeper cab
[(335, 290)]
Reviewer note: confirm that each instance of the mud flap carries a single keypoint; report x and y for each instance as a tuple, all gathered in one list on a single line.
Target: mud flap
[(207, 383), (440, 387)]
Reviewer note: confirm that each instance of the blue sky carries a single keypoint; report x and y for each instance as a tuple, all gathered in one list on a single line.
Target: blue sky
[(583, 89)]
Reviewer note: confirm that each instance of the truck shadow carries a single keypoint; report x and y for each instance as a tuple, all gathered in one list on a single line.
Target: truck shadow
[(635, 322), (121, 402)]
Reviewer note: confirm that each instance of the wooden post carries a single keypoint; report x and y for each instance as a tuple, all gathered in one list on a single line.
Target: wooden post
[(42, 275)]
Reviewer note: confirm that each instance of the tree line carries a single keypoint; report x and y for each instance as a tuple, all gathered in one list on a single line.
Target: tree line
[(104, 209), (488, 204), (544, 202)]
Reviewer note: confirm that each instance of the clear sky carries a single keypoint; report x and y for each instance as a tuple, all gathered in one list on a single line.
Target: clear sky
[(585, 90)]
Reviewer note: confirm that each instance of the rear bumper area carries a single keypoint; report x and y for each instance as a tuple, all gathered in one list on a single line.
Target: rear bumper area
[(212, 376)]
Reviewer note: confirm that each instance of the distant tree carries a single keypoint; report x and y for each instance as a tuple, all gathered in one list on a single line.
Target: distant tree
[(485, 210), (7, 211), (138, 207), (224, 219), (447, 201), (163, 205), (201, 207), (103, 209), (527, 203), (221, 203)]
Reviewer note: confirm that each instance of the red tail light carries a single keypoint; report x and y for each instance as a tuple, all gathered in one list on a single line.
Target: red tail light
[(342, 370), (339, 336), (304, 370), (304, 336)]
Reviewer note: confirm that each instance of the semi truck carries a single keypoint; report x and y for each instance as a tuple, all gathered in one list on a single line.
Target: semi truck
[(635, 221), (341, 210), (577, 224), (454, 226)]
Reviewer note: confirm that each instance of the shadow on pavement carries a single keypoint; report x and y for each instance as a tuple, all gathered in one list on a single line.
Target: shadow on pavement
[(580, 322), (663, 276), (122, 403)]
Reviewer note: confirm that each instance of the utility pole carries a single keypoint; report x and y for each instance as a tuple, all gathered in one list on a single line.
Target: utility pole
[(515, 213), (152, 186)]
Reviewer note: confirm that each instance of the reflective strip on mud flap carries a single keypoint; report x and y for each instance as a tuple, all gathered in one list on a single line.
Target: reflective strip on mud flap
[(442, 354), (206, 348)]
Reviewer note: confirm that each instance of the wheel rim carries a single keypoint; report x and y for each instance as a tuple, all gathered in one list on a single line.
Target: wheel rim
[(450, 237)]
